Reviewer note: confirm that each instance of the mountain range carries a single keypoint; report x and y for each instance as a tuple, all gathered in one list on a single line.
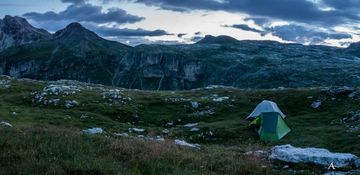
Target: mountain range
[(80, 54)]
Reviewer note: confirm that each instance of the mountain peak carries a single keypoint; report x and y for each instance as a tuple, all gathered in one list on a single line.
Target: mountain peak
[(221, 39), (17, 31), (75, 31), (75, 25)]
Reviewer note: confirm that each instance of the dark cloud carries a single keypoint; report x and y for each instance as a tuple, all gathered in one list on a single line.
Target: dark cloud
[(301, 34), (244, 27), (74, 1), (180, 35), (289, 10), (258, 20), (114, 31), (295, 33), (86, 13)]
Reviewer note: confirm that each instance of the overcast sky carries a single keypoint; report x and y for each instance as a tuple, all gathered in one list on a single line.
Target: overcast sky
[(327, 22)]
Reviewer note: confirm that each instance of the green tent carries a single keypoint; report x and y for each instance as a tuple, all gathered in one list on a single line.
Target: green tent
[(272, 126)]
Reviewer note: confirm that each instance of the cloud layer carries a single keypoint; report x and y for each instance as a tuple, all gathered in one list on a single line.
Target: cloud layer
[(304, 11), (86, 13)]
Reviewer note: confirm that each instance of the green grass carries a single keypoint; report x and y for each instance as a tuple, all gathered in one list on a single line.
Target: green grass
[(48, 139)]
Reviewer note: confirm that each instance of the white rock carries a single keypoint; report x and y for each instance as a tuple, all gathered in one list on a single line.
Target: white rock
[(220, 99), (165, 131), (137, 129), (124, 134), (184, 143), (93, 131), (194, 104), (189, 125), (353, 94), (14, 113), (194, 129), (71, 103), (319, 156), (5, 124), (83, 116), (316, 104), (169, 123)]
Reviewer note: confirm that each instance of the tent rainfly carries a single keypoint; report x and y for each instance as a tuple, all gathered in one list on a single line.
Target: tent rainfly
[(269, 121), (265, 106)]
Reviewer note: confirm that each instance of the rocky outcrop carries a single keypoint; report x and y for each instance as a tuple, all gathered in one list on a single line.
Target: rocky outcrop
[(318, 156), (16, 31)]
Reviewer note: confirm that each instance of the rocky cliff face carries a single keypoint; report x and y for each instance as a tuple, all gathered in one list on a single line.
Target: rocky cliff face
[(77, 53), (16, 31)]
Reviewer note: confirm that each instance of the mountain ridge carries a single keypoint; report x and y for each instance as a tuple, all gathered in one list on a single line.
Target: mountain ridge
[(80, 54)]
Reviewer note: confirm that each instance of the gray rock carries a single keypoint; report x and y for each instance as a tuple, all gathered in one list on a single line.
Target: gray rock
[(184, 143), (71, 103), (316, 104), (165, 131), (194, 104), (318, 156), (93, 131), (6, 124)]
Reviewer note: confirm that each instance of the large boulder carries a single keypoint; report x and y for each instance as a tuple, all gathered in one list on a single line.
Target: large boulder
[(318, 156)]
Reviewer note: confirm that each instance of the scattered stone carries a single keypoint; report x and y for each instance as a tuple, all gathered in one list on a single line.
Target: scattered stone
[(115, 96), (124, 134), (169, 124), (184, 143), (335, 173), (83, 116), (165, 131), (353, 94), (318, 156), (194, 129), (286, 167), (14, 113), (352, 121), (55, 89), (189, 125), (175, 99), (220, 99), (136, 129), (203, 113), (194, 104), (93, 131), (333, 91), (71, 103), (4, 84), (6, 124), (316, 104), (258, 153), (54, 102), (157, 138)]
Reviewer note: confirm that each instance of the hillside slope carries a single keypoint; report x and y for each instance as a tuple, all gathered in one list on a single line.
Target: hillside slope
[(58, 111)]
